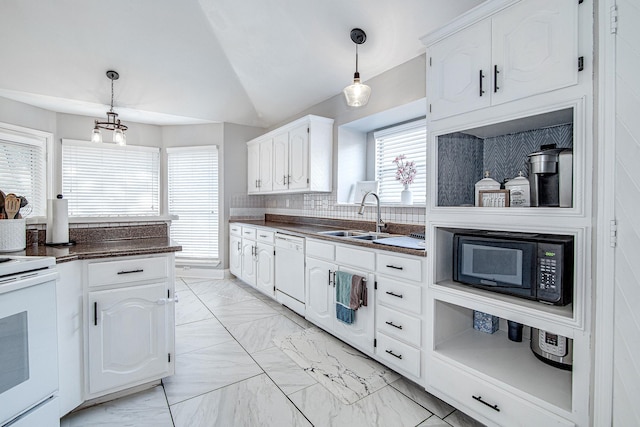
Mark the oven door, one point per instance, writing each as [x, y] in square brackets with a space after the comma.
[29, 349]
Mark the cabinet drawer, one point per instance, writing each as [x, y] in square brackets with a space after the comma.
[249, 233]
[235, 230]
[398, 354]
[405, 268]
[480, 396]
[320, 250]
[399, 295]
[355, 257]
[398, 325]
[265, 236]
[127, 270]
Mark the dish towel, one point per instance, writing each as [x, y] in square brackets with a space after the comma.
[343, 297]
[358, 292]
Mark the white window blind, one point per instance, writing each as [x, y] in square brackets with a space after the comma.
[108, 180]
[23, 168]
[193, 196]
[409, 139]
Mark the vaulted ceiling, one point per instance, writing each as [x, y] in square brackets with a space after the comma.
[253, 62]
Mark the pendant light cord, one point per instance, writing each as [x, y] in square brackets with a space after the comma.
[112, 92]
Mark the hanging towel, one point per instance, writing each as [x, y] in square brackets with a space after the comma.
[343, 297]
[358, 296]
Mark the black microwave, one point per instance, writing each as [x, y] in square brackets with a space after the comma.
[527, 265]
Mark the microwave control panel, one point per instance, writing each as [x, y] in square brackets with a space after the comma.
[549, 272]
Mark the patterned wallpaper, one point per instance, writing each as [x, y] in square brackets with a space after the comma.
[463, 159]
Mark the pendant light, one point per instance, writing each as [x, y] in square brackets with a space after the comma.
[357, 94]
[113, 122]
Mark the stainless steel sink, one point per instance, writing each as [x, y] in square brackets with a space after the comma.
[343, 233]
[367, 237]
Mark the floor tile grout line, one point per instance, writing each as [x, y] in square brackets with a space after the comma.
[164, 391]
[215, 389]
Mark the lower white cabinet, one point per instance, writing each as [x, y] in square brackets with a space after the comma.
[235, 255]
[265, 268]
[254, 262]
[130, 326]
[128, 336]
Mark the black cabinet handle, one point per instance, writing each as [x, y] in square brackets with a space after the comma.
[131, 271]
[495, 78]
[481, 77]
[394, 295]
[479, 399]
[394, 325]
[95, 313]
[395, 267]
[399, 356]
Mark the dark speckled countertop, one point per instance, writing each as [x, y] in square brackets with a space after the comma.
[103, 249]
[310, 227]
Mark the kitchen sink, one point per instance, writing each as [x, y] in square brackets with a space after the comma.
[367, 237]
[343, 233]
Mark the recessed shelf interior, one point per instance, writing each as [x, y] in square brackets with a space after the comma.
[494, 355]
[500, 148]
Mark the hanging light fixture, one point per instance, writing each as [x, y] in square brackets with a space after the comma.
[113, 122]
[357, 94]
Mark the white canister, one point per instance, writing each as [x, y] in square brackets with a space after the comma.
[486, 183]
[519, 191]
[13, 235]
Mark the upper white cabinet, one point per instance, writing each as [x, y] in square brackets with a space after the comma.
[280, 161]
[260, 165]
[528, 48]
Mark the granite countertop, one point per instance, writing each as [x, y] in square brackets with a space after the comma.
[311, 230]
[104, 249]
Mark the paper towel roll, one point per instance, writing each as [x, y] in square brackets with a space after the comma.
[57, 220]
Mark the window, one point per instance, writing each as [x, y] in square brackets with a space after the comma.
[193, 196]
[108, 180]
[23, 166]
[409, 139]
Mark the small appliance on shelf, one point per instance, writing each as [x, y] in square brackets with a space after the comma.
[551, 177]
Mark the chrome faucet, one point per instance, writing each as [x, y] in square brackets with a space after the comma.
[379, 223]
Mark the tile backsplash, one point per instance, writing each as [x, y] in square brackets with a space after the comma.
[321, 205]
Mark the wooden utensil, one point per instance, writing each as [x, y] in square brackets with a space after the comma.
[11, 205]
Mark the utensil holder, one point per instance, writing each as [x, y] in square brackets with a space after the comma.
[13, 235]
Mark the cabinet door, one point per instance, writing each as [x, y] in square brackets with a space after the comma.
[359, 333]
[265, 263]
[128, 336]
[248, 262]
[299, 158]
[265, 179]
[458, 66]
[70, 349]
[253, 168]
[281, 161]
[319, 293]
[535, 47]
[235, 255]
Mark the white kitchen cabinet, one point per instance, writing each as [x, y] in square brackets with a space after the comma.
[260, 166]
[256, 258]
[301, 158]
[69, 296]
[130, 323]
[265, 268]
[526, 49]
[235, 255]
[321, 293]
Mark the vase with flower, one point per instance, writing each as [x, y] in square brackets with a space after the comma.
[405, 173]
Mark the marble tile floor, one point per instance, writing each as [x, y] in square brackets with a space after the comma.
[229, 372]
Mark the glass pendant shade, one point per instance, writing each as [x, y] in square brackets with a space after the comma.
[96, 135]
[357, 94]
[119, 138]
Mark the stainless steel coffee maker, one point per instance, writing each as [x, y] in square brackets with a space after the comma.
[551, 177]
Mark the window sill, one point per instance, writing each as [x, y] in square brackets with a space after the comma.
[106, 219]
[384, 205]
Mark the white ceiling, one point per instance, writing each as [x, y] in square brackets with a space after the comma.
[253, 62]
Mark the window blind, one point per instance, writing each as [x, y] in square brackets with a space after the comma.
[109, 180]
[23, 169]
[409, 139]
[193, 196]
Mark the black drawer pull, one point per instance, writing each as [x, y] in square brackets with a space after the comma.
[399, 356]
[394, 325]
[479, 399]
[263, 235]
[131, 271]
[495, 81]
[394, 295]
[481, 77]
[395, 267]
[95, 313]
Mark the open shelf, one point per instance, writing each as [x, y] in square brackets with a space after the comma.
[495, 356]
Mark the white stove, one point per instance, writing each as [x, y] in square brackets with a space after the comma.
[29, 351]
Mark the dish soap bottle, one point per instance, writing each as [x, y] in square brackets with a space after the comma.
[519, 191]
[486, 183]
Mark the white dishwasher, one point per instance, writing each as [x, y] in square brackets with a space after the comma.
[290, 272]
